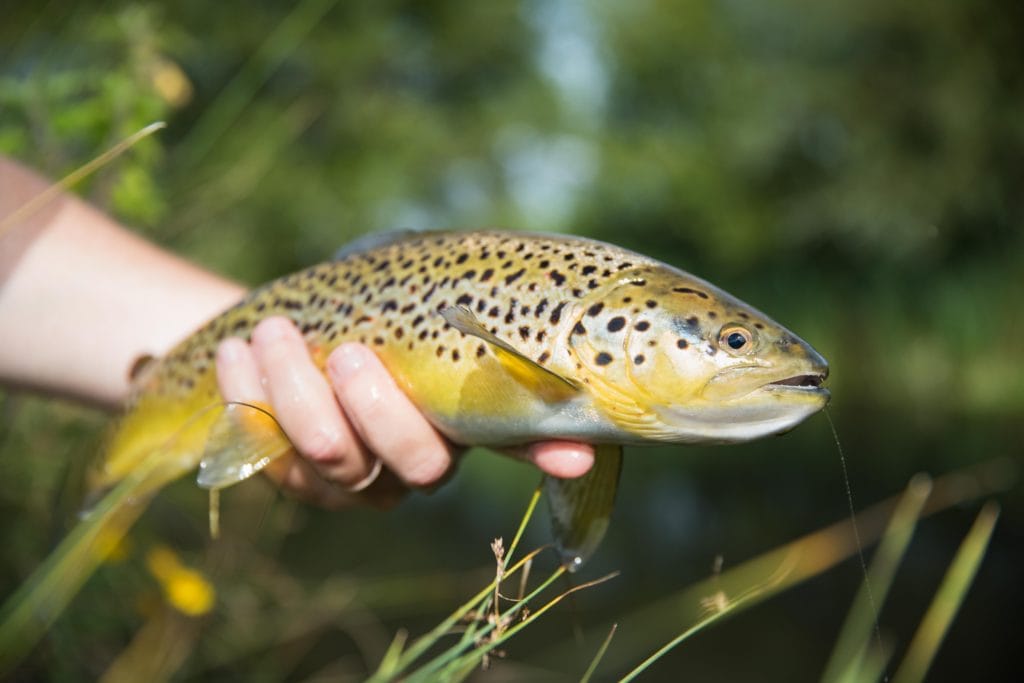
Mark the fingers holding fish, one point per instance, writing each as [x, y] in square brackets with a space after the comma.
[238, 377]
[561, 459]
[305, 406]
[386, 420]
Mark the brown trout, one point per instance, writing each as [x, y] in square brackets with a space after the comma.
[500, 339]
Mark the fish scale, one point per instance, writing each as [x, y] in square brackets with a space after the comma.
[499, 339]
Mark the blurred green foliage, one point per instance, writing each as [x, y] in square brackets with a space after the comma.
[854, 168]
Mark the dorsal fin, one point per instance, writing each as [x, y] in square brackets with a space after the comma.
[548, 384]
[374, 240]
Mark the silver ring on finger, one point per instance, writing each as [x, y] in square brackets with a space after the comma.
[371, 477]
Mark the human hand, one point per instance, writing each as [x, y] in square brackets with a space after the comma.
[358, 438]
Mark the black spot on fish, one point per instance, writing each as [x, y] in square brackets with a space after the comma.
[544, 263]
[587, 270]
[462, 258]
[455, 355]
[557, 277]
[481, 305]
[480, 351]
[399, 333]
[464, 300]
[543, 357]
[389, 305]
[759, 326]
[378, 341]
[494, 312]
[486, 275]
[595, 309]
[643, 325]
[556, 314]
[524, 332]
[638, 359]
[578, 328]
[603, 358]
[540, 335]
[540, 308]
[688, 290]
[616, 323]
[651, 303]
[743, 315]
[712, 315]
[514, 276]
[417, 320]
[407, 308]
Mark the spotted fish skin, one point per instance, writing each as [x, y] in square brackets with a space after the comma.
[595, 314]
[498, 338]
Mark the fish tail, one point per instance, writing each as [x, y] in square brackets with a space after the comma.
[27, 614]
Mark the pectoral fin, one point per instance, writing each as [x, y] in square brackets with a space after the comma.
[244, 439]
[548, 384]
[581, 508]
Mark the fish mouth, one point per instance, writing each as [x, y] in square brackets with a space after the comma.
[812, 381]
[808, 384]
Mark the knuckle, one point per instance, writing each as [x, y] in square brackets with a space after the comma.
[323, 446]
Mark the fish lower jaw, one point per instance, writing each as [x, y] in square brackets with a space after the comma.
[737, 424]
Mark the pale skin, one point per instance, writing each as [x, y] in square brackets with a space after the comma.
[82, 298]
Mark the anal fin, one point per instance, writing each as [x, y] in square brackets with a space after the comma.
[581, 508]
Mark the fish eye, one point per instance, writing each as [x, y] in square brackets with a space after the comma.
[736, 339]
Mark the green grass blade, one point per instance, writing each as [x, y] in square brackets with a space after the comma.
[861, 621]
[948, 599]
[476, 656]
[599, 656]
[451, 657]
[480, 602]
[731, 607]
[239, 93]
[70, 180]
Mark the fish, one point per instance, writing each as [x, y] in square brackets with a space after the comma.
[500, 339]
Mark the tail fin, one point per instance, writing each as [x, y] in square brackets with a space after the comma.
[37, 603]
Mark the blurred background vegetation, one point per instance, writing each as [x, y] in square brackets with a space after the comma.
[853, 168]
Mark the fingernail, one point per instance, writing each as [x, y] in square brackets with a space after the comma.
[273, 330]
[346, 360]
[229, 351]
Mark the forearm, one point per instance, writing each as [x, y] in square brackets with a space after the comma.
[81, 298]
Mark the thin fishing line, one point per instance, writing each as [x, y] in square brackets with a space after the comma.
[856, 533]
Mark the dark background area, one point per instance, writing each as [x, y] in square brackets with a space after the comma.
[855, 169]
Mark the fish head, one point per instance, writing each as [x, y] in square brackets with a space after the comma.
[671, 357]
